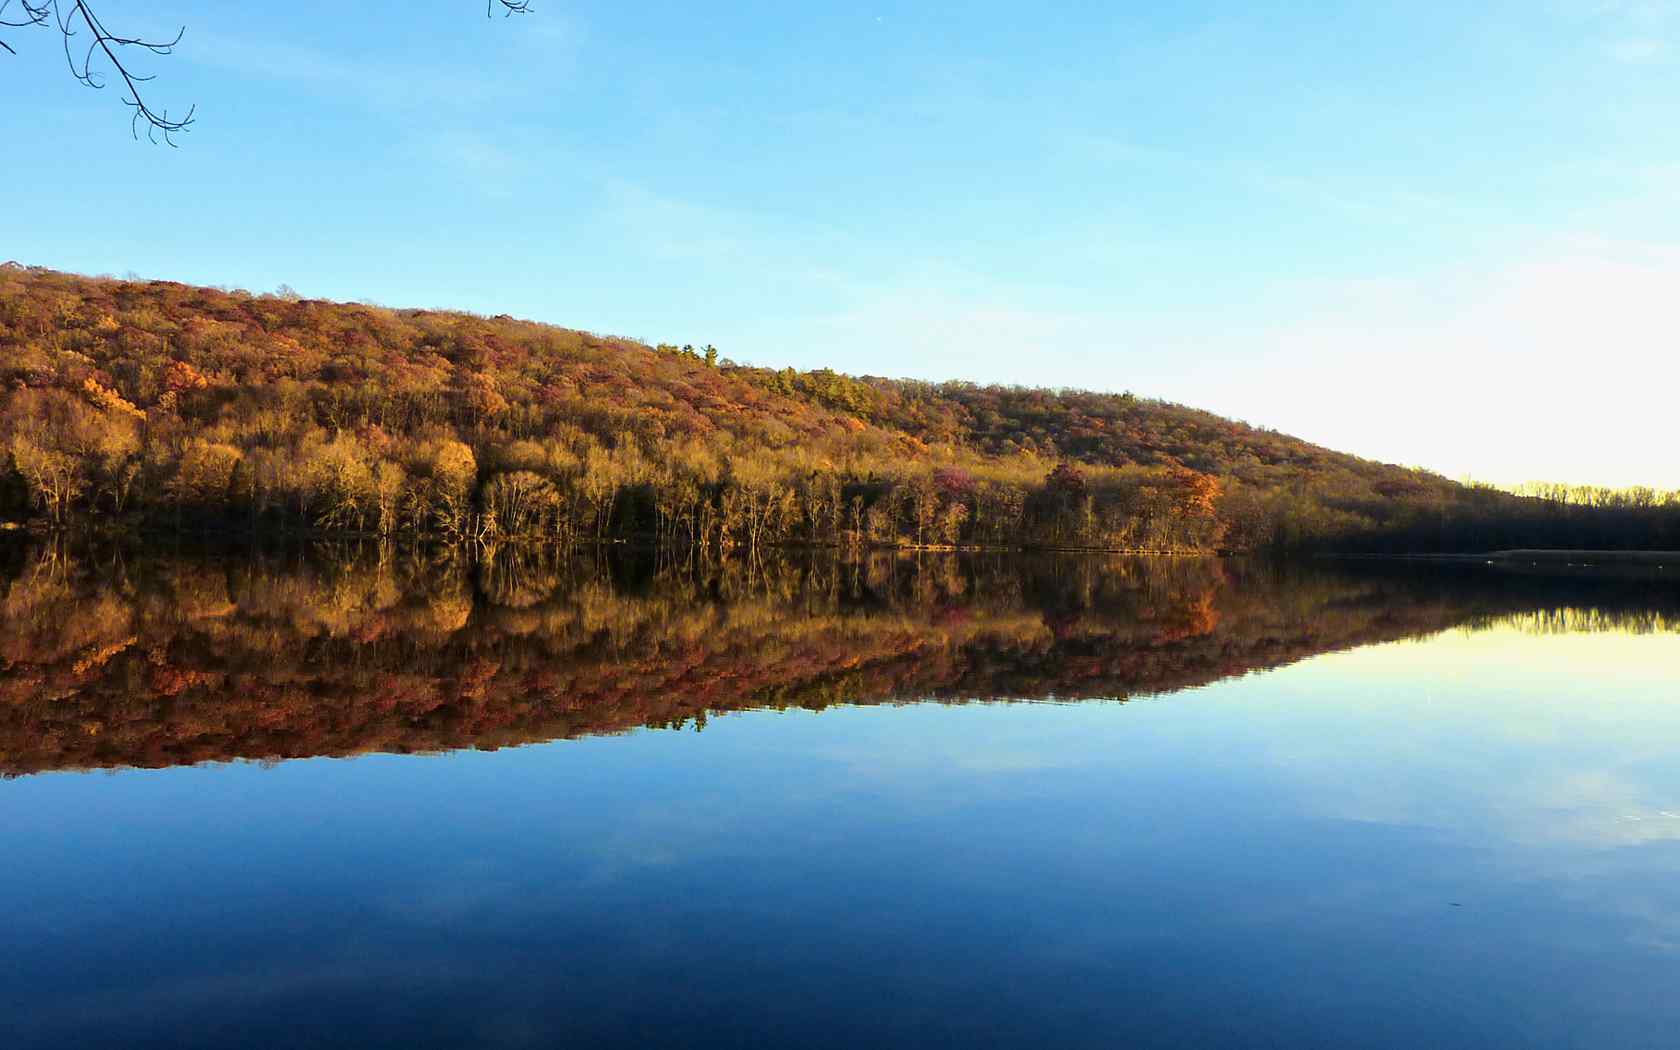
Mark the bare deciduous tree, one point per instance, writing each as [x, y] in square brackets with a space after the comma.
[78, 25]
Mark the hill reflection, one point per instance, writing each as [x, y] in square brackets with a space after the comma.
[110, 660]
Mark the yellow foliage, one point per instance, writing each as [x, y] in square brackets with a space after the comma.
[109, 400]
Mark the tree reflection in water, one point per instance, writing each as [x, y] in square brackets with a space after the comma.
[112, 659]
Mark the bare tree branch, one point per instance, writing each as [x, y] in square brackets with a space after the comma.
[73, 18]
[76, 18]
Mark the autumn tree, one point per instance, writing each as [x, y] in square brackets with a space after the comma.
[446, 473]
[66, 447]
[204, 475]
[525, 504]
[56, 477]
[339, 479]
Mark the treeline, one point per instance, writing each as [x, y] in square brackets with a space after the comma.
[1634, 497]
[155, 404]
[92, 452]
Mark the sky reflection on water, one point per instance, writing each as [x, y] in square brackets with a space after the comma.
[1467, 840]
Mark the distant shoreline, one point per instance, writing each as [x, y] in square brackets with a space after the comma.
[1538, 557]
[1649, 566]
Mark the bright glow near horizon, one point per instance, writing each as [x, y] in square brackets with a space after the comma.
[1430, 235]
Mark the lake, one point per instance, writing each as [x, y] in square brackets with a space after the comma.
[351, 797]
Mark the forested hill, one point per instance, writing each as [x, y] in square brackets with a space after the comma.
[165, 404]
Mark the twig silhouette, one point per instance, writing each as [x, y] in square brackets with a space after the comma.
[76, 18]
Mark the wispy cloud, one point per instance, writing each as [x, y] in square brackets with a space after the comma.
[381, 84]
[435, 104]
[538, 51]
[1637, 50]
[1364, 201]
[938, 332]
[670, 228]
[497, 169]
[1633, 32]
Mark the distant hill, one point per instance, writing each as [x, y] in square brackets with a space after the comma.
[165, 405]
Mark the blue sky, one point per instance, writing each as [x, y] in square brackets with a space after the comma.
[1437, 234]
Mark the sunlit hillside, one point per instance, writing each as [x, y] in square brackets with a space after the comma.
[163, 405]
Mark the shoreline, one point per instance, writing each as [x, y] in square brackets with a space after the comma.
[1571, 558]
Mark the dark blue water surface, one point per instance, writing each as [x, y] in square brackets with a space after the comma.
[1464, 837]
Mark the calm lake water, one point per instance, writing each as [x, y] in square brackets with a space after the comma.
[330, 798]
